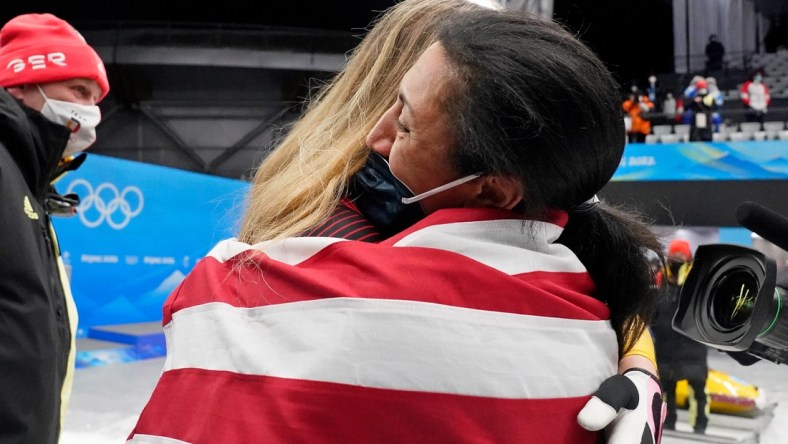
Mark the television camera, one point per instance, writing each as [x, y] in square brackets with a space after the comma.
[731, 299]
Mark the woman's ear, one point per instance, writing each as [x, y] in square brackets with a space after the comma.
[497, 192]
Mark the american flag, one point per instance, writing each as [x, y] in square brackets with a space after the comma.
[472, 326]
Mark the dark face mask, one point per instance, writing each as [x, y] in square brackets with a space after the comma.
[674, 270]
[378, 195]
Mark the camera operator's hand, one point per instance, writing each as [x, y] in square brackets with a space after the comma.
[629, 407]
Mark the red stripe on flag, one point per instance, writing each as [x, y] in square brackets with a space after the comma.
[363, 270]
[203, 406]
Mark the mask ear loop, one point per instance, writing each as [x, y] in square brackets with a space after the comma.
[42, 92]
[452, 184]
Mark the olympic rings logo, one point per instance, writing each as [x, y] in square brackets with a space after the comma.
[106, 203]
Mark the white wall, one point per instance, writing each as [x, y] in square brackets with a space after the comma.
[733, 21]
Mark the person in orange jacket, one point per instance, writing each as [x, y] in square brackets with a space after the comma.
[637, 107]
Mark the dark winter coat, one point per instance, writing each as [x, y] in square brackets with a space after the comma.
[678, 357]
[35, 336]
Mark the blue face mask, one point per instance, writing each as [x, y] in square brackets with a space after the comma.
[378, 195]
[387, 202]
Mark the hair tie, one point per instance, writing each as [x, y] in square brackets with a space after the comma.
[587, 206]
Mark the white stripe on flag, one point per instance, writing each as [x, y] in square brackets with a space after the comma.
[150, 439]
[290, 251]
[399, 345]
[511, 246]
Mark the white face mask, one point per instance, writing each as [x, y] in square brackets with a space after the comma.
[434, 191]
[82, 120]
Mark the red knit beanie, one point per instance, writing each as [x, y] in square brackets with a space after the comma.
[41, 48]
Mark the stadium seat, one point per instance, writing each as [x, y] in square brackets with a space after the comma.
[773, 129]
[651, 139]
[749, 127]
[659, 130]
[759, 135]
[727, 129]
[739, 136]
[681, 129]
[669, 138]
[719, 137]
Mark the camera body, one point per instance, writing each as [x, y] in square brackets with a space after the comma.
[730, 301]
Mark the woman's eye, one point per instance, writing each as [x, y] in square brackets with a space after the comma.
[402, 127]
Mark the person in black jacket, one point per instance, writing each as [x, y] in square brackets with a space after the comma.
[51, 82]
[715, 54]
[703, 106]
[679, 357]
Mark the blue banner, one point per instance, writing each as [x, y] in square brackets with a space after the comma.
[704, 161]
[138, 231]
[140, 228]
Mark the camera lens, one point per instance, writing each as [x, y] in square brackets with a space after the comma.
[732, 299]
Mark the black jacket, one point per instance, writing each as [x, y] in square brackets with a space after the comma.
[35, 337]
[678, 357]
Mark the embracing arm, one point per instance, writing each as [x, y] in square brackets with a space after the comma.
[629, 405]
[641, 355]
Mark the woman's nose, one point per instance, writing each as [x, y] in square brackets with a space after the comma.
[382, 136]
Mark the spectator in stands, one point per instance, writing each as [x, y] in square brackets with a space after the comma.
[715, 54]
[657, 97]
[755, 96]
[653, 92]
[672, 108]
[702, 106]
[577, 112]
[689, 95]
[679, 357]
[638, 109]
[692, 88]
[719, 100]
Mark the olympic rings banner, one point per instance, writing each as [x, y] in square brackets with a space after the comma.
[138, 231]
[766, 160]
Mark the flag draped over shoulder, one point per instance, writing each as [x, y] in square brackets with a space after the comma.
[472, 326]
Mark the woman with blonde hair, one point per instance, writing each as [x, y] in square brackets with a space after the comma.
[303, 179]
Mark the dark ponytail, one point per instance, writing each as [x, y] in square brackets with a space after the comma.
[614, 245]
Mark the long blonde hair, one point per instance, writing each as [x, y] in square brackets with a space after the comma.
[302, 180]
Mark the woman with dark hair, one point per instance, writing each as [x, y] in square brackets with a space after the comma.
[529, 103]
[493, 318]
